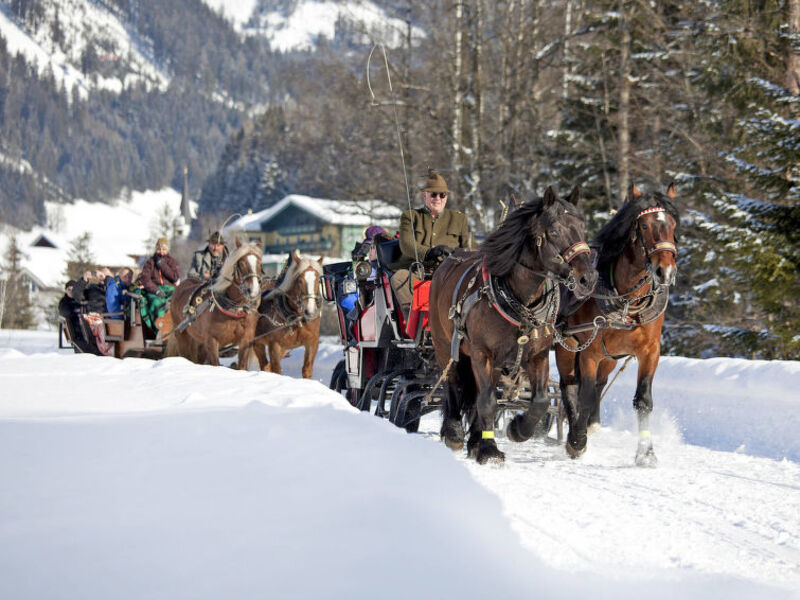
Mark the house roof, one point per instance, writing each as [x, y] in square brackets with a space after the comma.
[335, 212]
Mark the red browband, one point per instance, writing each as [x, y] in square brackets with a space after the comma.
[647, 211]
[576, 249]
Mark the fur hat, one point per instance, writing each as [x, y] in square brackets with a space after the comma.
[435, 183]
[162, 243]
[216, 238]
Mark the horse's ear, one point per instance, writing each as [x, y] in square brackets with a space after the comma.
[634, 192]
[320, 259]
[295, 256]
[671, 191]
[549, 197]
[575, 196]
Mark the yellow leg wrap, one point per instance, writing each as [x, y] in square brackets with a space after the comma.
[487, 435]
[644, 433]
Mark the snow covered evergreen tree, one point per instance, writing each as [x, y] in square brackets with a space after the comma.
[16, 307]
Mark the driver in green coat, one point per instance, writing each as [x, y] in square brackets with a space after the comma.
[428, 234]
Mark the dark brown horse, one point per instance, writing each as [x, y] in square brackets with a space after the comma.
[492, 312]
[636, 262]
[289, 315]
[209, 315]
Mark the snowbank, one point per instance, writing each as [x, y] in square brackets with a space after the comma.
[131, 479]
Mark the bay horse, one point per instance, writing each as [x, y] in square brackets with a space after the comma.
[289, 315]
[492, 315]
[636, 262]
[210, 315]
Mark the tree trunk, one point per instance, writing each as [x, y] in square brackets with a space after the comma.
[455, 156]
[793, 49]
[624, 102]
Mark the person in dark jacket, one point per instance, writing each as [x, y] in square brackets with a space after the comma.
[160, 274]
[95, 292]
[71, 311]
[207, 262]
[428, 235]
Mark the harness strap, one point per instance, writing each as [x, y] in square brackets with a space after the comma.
[459, 309]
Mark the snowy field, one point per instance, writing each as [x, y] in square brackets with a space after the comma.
[139, 479]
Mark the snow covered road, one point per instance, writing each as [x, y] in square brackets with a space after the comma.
[209, 482]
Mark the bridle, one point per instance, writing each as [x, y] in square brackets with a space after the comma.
[242, 276]
[656, 247]
[647, 252]
[291, 305]
[564, 257]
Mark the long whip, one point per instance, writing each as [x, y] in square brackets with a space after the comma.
[397, 129]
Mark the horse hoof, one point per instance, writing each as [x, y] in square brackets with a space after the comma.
[452, 434]
[573, 451]
[489, 453]
[514, 434]
[593, 428]
[647, 459]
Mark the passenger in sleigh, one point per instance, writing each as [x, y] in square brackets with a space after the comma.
[160, 274]
[354, 302]
[428, 234]
[117, 298]
[70, 309]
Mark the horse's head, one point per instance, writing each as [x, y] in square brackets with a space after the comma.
[302, 279]
[242, 271]
[559, 239]
[654, 231]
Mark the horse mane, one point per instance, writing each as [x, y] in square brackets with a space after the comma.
[223, 280]
[614, 236]
[504, 245]
[291, 268]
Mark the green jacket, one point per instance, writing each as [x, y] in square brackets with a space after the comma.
[450, 229]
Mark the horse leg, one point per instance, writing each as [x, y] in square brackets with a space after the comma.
[486, 410]
[460, 390]
[309, 356]
[603, 371]
[210, 350]
[521, 427]
[260, 350]
[567, 363]
[275, 356]
[587, 398]
[643, 403]
[247, 358]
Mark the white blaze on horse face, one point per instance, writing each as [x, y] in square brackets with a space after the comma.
[310, 277]
[255, 288]
[661, 216]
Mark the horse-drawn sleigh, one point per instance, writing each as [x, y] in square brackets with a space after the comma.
[475, 345]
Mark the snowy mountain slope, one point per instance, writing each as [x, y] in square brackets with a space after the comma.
[311, 19]
[70, 29]
[174, 480]
[238, 12]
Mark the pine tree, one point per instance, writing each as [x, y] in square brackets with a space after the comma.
[753, 210]
[79, 257]
[16, 307]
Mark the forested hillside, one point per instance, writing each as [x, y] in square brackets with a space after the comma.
[504, 98]
[508, 97]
